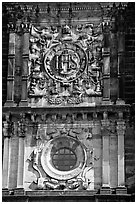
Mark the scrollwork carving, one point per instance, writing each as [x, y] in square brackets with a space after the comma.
[65, 66]
[76, 179]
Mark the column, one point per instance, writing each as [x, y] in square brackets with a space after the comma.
[18, 60]
[13, 157]
[121, 158]
[121, 57]
[25, 56]
[113, 59]
[11, 67]
[113, 155]
[97, 144]
[20, 172]
[106, 64]
[5, 171]
[105, 156]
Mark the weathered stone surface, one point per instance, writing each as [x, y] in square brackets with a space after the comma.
[74, 76]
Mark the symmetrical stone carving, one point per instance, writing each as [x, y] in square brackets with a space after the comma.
[81, 176]
[65, 64]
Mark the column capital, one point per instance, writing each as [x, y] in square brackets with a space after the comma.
[105, 123]
[21, 129]
[120, 127]
[25, 27]
[7, 128]
[11, 27]
[22, 126]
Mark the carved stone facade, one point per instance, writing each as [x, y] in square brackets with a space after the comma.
[65, 65]
[63, 122]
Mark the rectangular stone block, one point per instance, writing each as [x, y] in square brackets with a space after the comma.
[105, 191]
[5, 192]
[121, 191]
[19, 191]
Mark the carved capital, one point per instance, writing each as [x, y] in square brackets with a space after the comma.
[105, 123]
[22, 126]
[8, 129]
[25, 27]
[121, 127]
[5, 129]
[105, 128]
[21, 129]
[11, 27]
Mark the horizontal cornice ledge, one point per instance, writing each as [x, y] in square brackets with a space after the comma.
[57, 109]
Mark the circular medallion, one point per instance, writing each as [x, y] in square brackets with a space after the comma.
[63, 158]
[65, 62]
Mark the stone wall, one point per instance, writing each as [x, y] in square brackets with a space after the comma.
[98, 127]
[129, 75]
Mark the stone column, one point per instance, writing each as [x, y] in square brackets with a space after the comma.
[121, 158]
[106, 64]
[121, 56]
[97, 144]
[18, 60]
[13, 157]
[105, 156]
[11, 67]
[113, 60]
[21, 134]
[113, 155]
[25, 56]
[5, 171]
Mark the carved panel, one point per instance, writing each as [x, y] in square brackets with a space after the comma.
[59, 161]
[65, 64]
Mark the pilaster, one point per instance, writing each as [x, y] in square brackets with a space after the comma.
[25, 57]
[6, 134]
[106, 64]
[21, 134]
[121, 55]
[121, 158]
[11, 66]
[105, 155]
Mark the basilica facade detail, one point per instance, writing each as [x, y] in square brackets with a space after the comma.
[65, 65]
[64, 123]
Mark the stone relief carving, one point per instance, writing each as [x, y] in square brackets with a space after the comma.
[50, 178]
[65, 64]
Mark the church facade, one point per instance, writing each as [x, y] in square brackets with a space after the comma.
[68, 125]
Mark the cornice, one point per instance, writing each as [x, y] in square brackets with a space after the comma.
[62, 6]
[55, 109]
